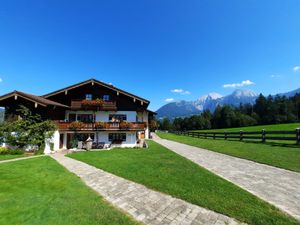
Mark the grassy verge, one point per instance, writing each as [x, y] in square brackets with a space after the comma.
[163, 170]
[273, 127]
[267, 153]
[5, 157]
[40, 191]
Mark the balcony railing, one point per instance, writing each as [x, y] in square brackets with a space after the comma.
[105, 105]
[69, 126]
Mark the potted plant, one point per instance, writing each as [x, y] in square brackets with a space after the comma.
[100, 125]
[76, 125]
[125, 125]
[93, 103]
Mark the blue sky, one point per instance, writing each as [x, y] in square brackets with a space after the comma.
[152, 47]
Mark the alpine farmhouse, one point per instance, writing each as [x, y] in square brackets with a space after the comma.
[108, 116]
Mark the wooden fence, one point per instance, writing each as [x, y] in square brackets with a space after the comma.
[263, 135]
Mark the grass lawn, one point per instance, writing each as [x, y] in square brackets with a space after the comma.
[287, 157]
[161, 169]
[274, 127]
[5, 157]
[40, 191]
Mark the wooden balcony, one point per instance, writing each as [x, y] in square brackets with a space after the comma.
[105, 106]
[109, 126]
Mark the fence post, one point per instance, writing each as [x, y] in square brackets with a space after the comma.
[225, 133]
[198, 135]
[263, 135]
[298, 136]
[205, 135]
[241, 135]
[214, 136]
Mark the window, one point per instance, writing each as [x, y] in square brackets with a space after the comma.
[86, 118]
[105, 97]
[72, 117]
[117, 137]
[117, 117]
[88, 97]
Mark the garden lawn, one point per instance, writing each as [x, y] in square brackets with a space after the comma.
[40, 191]
[5, 157]
[286, 157]
[161, 169]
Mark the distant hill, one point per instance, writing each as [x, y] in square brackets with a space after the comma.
[210, 102]
[291, 93]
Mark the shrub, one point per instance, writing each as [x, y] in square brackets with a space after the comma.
[3, 150]
[16, 152]
[8, 151]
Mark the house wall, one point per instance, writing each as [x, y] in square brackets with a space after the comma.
[104, 115]
[130, 138]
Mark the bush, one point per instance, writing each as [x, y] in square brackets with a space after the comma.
[8, 151]
[16, 152]
[3, 151]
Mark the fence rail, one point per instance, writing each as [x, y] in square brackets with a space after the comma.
[263, 135]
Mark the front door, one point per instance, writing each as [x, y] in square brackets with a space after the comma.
[61, 141]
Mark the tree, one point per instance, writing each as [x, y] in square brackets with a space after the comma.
[153, 125]
[178, 124]
[30, 129]
[166, 124]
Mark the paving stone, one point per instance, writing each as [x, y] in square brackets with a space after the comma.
[145, 205]
[277, 186]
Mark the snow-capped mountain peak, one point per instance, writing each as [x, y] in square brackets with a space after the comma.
[244, 93]
[212, 95]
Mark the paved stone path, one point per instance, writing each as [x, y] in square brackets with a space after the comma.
[21, 158]
[145, 205]
[277, 186]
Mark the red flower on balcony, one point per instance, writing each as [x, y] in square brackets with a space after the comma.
[97, 102]
[77, 125]
[125, 125]
[100, 125]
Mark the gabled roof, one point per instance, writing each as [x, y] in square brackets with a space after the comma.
[36, 99]
[99, 83]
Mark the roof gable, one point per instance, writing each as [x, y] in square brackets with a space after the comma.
[94, 81]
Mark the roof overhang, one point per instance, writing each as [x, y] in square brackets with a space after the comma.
[94, 81]
[32, 98]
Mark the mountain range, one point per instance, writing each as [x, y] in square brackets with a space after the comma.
[210, 102]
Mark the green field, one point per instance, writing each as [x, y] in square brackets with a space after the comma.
[287, 157]
[40, 191]
[274, 127]
[161, 169]
[5, 157]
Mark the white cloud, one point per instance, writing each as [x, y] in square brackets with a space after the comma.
[296, 68]
[1, 80]
[169, 99]
[242, 84]
[181, 91]
[275, 76]
[177, 90]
